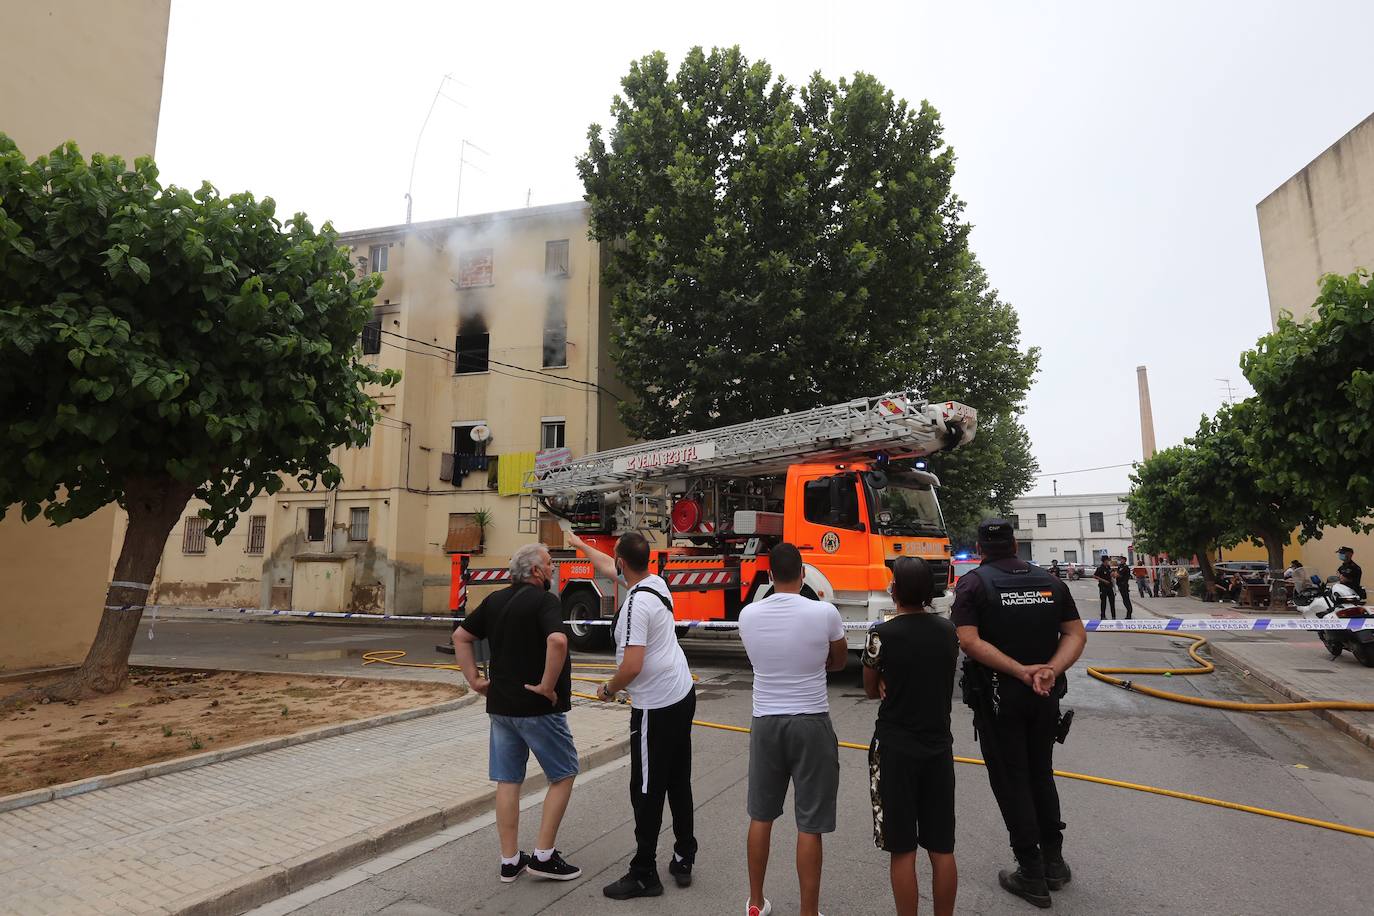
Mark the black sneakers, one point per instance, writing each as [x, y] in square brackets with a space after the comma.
[630, 887]
[1031, 890]
[555, 869]
[681, 871]
[510, 872]
[1057, 872]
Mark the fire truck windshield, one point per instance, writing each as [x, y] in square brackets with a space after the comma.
[906, 506]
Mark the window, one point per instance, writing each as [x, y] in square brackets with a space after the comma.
[556, 258]
[1071, 556]
[372, 337]
[474, 268]
[465, 535]
[462, 439]
[552, 434]
[193, 538]
[377, 257]
[472, 350]
[357, 523]
[257, 533]
[1015, 521]
[1041, 521]
[1095, 522]
[555, 343]
[314, 524]
[832, 501]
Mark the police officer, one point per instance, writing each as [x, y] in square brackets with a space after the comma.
[1350, 571]
[1021, 631]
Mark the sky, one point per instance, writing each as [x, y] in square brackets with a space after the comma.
[1110, 154]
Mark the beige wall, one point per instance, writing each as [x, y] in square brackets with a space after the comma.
[1321, 221]
[83, 70]
[402, 567]
[89, 71]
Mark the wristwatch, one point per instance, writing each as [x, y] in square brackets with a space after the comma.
[604, 691]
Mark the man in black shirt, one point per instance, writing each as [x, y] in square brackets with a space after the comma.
[1020, 629]
[1106, 593]
[1349, 570]
[909, 662]
[528, 696]
[1123, 583]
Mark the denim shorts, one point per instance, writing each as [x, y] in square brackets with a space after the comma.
[513, 737]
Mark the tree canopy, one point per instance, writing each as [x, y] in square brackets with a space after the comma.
[158, 344]
[774, 248]
[1168, 509]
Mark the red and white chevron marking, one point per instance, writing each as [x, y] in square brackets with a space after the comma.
[488, 575]
[689, 579]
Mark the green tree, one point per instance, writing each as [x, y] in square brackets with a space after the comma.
[1171, 512]
[786, 247]
[158, 344]
[984, 477]
[1314, 387]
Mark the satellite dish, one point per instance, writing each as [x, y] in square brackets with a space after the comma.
[481, 433]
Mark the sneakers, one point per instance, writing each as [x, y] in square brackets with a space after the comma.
[765, 910]
[555, 869]
[629, 887]
[1031, 890]
[681, 871]
[510, 872]
[1057, 872]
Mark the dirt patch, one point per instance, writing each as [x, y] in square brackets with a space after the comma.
[162, 715]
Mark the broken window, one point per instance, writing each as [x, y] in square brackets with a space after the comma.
[472, 352]
[257, 533]
[556, 330]
[314, 524]
[357, 523]
[556, 258]
[474, 268]
[193, 537]
[372, 337]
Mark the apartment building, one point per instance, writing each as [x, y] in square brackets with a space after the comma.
[499, 327]
[1072, 529]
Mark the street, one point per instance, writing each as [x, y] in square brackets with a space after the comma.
[1131, 852]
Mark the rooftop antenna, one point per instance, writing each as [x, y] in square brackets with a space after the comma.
[410, 185]
[1230, 391]
[462, 161]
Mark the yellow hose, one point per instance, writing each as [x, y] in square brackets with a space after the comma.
[1206, 667]
[394, 656]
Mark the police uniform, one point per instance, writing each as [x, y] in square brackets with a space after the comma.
[1350, 571]
[1018, 608]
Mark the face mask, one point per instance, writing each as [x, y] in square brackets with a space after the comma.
[619, 570]
[548, 584]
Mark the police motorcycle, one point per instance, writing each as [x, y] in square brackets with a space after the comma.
[1321, 601]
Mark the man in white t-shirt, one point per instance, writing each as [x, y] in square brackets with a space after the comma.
[792, 642]
[652, 666]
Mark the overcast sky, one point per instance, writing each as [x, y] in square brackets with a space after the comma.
[1111, 154]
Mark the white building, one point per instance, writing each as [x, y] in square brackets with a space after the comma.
[1072, 529]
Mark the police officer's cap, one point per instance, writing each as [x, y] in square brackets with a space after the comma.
[996, 531]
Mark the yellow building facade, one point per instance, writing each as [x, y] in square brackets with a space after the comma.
[1318, 222]
[499, 325]
[89, 71]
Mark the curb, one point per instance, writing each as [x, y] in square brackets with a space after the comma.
[166, 612]
[270, 883]
[148, 771]
[1360, 732]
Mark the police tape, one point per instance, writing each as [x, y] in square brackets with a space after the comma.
[1183, 625]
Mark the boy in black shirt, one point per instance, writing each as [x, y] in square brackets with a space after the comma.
[909, 662]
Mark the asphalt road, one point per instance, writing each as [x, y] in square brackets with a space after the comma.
[1131, 852]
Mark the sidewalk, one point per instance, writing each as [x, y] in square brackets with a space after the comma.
[1294, 664]
[225, 837]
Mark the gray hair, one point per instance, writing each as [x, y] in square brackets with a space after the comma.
[525, 560]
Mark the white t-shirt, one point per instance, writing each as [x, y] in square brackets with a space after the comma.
[645, 621]
[788, 639]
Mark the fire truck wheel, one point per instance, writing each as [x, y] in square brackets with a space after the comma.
[584, 604]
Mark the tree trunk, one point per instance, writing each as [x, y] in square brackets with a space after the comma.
[1274, 542]
[1209, 575]
[154, 505]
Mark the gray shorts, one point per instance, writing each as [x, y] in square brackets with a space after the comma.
[802, 750]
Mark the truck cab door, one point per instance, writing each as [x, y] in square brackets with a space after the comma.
[831, 531]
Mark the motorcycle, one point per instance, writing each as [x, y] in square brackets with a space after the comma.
[1342, 601]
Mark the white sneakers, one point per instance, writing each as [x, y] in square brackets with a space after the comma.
[751, 910]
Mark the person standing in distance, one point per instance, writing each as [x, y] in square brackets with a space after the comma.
[1020, 629]
[791, 642]
[1106, 590]
[528, 696]
[1142, 579]
[1123, 584]
[909, 663]
[652, 666]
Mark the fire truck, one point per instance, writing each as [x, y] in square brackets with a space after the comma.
[844, 483]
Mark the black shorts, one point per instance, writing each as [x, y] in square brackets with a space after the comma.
[913, 799]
